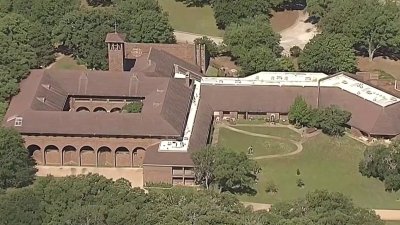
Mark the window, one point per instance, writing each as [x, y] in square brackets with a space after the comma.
[18, 122]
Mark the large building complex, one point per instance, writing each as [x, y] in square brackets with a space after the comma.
[76, 118]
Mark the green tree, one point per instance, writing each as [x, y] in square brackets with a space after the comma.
[322, 207]
[334, 120]
[382, 162]
[299, 112]
[259, 59]
[251, 33]
[17, 169]
[219, 167]
[20, 207]
[133, 107]
[329, 54]
[83, 34]
[227, 12]
[319, 8]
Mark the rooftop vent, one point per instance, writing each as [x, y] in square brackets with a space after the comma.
[47, 86]
[18, 122]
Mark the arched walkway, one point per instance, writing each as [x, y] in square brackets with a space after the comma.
[104, 157]
[70, 156]
[115, 110]
[36, 153]
[52, 155]
[99, 109]
[122, 157]
[82, 109]
[138, 156]
[87, 156]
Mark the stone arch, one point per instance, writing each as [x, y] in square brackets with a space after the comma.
[52, 155]
[70, 156]
[115, 110]
[104, 157]
[87, 156]
[82, 109]
[36, 153]
[138, 156]
[123, 157]
[99, 109]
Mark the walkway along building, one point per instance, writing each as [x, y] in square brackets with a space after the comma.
[74, 120]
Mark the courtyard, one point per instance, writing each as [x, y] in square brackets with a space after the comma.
[324, 163]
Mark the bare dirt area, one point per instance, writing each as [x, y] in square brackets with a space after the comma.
[387, 65]
[133, 175]
[284, 19]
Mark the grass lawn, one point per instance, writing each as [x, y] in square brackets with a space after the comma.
[198, 20]
[275, 131]
[67, 63]
[325, 163]
[262, 146]
[392, 222]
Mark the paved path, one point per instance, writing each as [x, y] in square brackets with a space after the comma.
[384, 214]
[297, 143]
[182, 36]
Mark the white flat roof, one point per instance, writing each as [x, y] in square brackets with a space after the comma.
[360, 89]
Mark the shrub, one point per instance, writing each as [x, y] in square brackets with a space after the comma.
[133, 107]
[158, 184]
[295, 51]
[271, 187]
[300, 183]
[298, 172]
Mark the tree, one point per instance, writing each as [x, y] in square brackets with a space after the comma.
[382, 162]
[295, 51]
[329, 54]
[211, 46]
[299, 112]
[17, 169]
[333, 120]
[83, 34]
[227, 12]
[251, 33]
[271, 187]
[319, 8]
[322, 207]
[20, 207]
[219, 167]
[197, 3]
[259, 59]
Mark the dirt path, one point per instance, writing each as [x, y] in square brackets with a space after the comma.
[297, 143]
[384, 214]
[300, 33]
[183, 37]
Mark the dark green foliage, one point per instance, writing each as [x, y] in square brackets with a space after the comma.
[92, 199]
[227, 12]
[211, 46]
[226, 170]
[158, 184]
[373, 27]
[382, 162]
[322, 207]
[329, 54]
[20, 207]
[298, 172]
[83, 34]
[259, 59]
[196, 2]
[295, 51]
[299, 112]
[16, 167]
[332, 120]
[96, 3]
[133, 107]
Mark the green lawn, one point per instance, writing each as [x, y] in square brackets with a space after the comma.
[198, 20]
[392, 222]
[67, 63]
[262, 146]
[325, 163]
[275, 131]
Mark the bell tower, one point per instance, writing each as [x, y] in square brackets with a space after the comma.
[116, 51]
